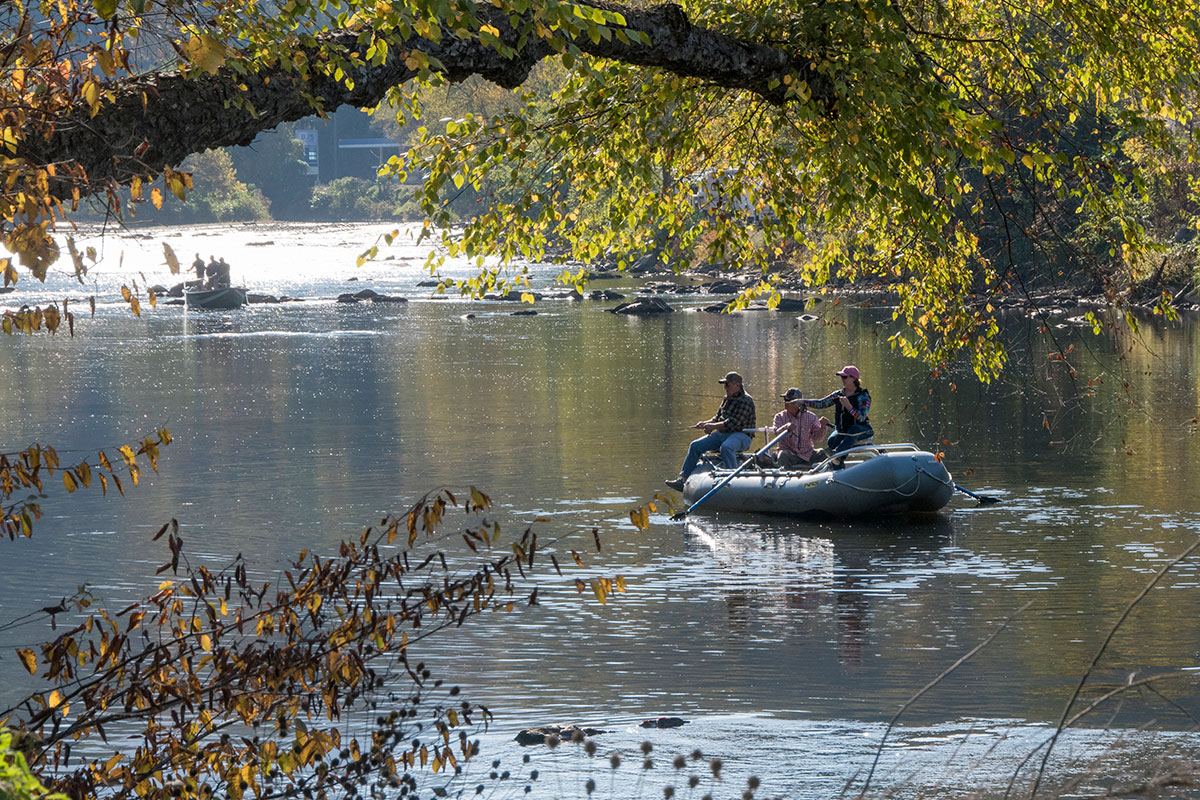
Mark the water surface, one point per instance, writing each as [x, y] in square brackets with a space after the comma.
[788, 644]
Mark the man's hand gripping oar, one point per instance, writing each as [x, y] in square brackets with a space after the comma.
[749, 460]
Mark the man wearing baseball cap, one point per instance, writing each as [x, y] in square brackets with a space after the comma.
[723, 431]
[796, 449]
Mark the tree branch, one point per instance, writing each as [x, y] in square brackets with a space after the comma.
[157, 120]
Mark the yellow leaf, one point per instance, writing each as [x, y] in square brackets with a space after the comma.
[156, 197]
[1027, 161]
[172, 260]
[206, 643]
[206, 53]
[29, 659]
[55, 699]
[69, 481]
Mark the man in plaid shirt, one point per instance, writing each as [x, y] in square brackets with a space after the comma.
[724, 430]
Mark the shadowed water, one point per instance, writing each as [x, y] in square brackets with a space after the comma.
[787, 644]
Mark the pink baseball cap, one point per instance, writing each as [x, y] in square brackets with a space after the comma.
[850, 371]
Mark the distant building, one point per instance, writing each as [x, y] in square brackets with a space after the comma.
[343, 146]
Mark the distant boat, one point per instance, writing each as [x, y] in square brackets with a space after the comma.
[216, 299]
[875, 479]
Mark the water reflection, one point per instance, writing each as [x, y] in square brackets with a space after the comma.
[805, 570]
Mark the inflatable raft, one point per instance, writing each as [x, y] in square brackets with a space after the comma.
[865, 480]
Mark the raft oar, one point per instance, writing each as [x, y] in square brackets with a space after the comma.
[984, 499]
[749, 460]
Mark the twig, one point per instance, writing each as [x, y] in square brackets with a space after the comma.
[927, 687]
[1063, 720]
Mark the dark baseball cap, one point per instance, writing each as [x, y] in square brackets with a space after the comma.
[731, 376]
[792, 394]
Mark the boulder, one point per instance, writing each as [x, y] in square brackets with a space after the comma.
[371, 296]
[664, 722]
[563, 733]
[644, 306]
[528, 312]
[791, 304]
[605, 294]
[512, 296]
[721, 287]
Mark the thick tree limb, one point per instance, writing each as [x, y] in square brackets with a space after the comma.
[158, 120]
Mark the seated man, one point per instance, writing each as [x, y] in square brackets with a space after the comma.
[796, 449]
[724, 430]
[218, 275]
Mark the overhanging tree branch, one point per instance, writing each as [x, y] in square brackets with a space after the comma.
[157, 120]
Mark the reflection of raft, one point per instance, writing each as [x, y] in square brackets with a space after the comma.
[875, 479]
[226, 298]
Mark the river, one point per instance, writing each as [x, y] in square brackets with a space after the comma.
[787, 645]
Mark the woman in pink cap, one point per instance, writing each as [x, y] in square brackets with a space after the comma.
[851, 404]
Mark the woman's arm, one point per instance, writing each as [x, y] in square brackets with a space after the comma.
[824, 402]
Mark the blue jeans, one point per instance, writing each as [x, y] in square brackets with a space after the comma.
[857, 434]
[727, 443]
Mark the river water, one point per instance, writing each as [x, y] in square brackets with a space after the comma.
[787, 645]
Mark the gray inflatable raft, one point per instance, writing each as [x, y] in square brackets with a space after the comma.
[875, 479]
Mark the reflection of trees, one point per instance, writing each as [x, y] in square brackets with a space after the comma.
[812, 573]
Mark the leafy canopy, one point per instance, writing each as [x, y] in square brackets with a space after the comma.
[858, 137]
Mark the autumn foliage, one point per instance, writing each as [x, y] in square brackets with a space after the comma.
[233, 685]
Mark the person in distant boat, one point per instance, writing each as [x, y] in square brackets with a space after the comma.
[796, 449]
[723, 432]
[200, 267]
[852, 404]
[218, 275]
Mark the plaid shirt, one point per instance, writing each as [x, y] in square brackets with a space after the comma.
[806, 426]
[737, 412]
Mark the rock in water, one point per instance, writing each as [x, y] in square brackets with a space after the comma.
[664, 722]
[649, 305]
